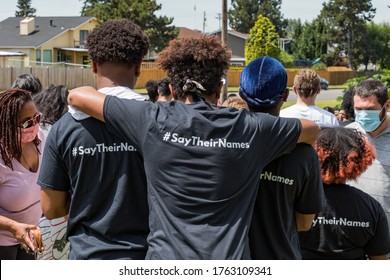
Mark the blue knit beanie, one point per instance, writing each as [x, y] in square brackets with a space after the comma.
[263, 82]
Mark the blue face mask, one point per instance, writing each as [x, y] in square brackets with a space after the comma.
[369, 120]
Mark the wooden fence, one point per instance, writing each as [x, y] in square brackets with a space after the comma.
[75, 77]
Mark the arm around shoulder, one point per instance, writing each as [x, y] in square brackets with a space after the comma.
[309, 133]
[88, 100]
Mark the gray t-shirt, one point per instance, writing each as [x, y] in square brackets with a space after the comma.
[376, 179]
[202, 165]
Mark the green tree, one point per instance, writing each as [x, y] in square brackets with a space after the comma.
[244, 13]
[142, 12]
[346, 20]
[309, 40]
[25, 9]
[375, 47]
[262, 40]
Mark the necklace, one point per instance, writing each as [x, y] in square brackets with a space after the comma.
[29, 167]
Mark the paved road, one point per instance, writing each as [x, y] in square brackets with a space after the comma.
[330, 94]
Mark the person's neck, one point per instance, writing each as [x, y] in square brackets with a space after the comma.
[384, 125]
[103, 82]
[309, 101]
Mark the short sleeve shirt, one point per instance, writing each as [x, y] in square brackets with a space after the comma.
[202, 165]
[352, 226]
[104, 176]
[291, 183]
[19, 194]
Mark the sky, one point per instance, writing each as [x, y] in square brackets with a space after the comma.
[190, 13]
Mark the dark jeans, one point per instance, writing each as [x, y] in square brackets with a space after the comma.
[14, 253]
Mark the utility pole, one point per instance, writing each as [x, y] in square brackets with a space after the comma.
[204, 21]
[219, 17]
[224, 39]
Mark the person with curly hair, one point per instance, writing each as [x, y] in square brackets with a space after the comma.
[307, 87]
[152, 90]
[28, 82]
[353, 224]
[21, 145]
[94, 176]
[204, 62]
[164, 92]
[235, 102]
[202, 161]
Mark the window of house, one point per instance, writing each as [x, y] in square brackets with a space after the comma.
[47, 56]
[38, 56]
[83, 38]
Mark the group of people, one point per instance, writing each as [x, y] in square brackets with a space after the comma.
[158, 90]
[186, 179]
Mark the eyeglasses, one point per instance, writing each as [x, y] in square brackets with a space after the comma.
[33, 121]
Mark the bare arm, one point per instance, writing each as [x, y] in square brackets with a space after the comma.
[19, 230]
[55, 204]
[309, 133]
[88, 100]
[303, 221]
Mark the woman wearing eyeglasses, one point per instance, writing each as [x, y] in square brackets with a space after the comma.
[21, 147]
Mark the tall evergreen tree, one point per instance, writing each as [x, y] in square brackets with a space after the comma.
[262, 40]
[142, 12]
[346, 20]
[25, 9]
[244, 13]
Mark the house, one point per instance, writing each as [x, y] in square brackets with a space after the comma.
[46, 40]
[236, 43]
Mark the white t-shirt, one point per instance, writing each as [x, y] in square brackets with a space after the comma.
[313, 113]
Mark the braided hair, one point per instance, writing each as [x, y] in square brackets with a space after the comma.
[344, 154]
[11, 103]
[306, 82]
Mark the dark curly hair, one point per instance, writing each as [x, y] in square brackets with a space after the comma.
[118, 41]
[163, 87]
[204, 60]
[11, 103]
[52, 103]
[28, 82]
[344, 154]
[347, 104]
[152, 89]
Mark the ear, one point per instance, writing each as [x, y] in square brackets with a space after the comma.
[138, 70]
[94, 67]
[219, 90]
[294, 89]
[318, 90]
[174, 95]
[387, 105]
[285, 95]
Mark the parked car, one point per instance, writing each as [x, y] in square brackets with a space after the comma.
[324, 83]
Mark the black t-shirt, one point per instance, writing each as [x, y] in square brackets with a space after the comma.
[353, 225]
[104, 175]
[288, 184]
[202, 165]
